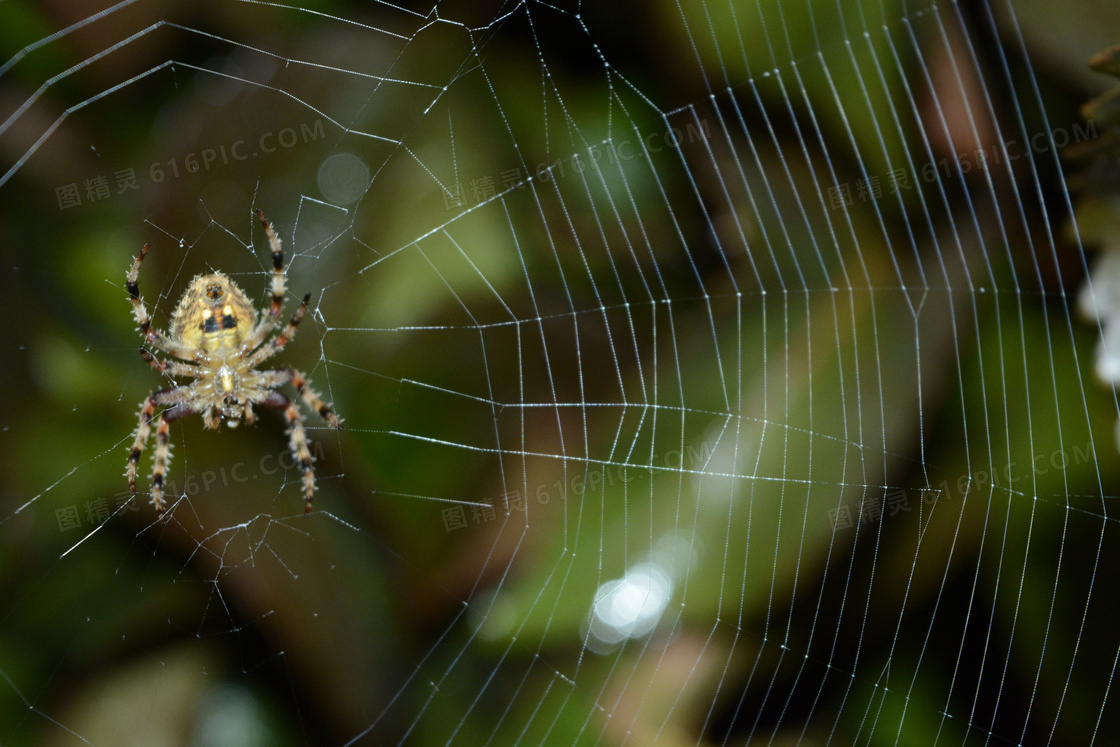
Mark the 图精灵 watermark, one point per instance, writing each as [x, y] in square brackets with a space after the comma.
[103, 186]
[595, 477]
[882, 503]
[871, 187]
[485, 187]
[98, 510]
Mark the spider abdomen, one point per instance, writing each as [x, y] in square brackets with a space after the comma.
[213, 314]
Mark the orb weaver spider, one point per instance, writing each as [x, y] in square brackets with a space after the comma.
[220, 340]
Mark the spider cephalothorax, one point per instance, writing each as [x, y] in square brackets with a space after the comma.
[221, 339]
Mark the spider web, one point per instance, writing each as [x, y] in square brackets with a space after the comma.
[709, 376]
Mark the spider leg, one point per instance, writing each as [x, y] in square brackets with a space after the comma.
[143, 431]
[151, 335]
[278, 282]
[174, 369]
[297, 439]
[309, 395]
[276, 344]
[269, 321]
[163, 451]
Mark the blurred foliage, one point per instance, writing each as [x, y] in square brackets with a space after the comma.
[761, 359]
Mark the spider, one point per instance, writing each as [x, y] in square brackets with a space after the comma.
[221, 340]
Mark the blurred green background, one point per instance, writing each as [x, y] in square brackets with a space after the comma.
[585, 296]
